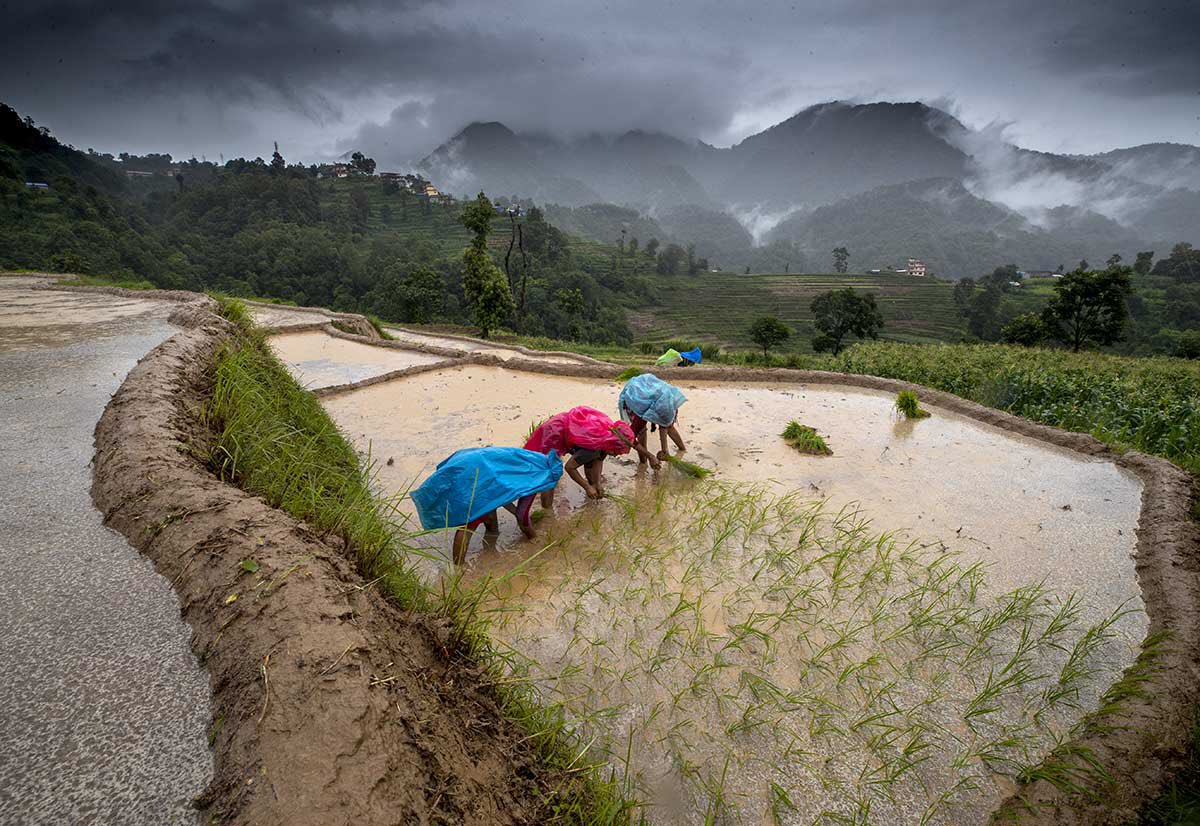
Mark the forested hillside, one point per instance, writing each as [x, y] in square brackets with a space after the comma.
[275, 230]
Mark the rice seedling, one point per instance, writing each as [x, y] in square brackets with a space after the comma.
[689, 468]
[628, 373]
[909, 406]
[805, 439]
[769, 658]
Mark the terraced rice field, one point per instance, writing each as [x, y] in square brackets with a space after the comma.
[890, 634]
[720, 307]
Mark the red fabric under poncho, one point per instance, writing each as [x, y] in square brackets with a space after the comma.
[584, 427]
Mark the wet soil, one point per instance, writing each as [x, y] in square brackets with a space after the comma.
[467, 345]
[320, 360]
[104, 710]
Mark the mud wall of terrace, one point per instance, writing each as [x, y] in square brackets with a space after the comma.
[331, 705]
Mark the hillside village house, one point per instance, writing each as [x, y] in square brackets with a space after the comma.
[916, 267]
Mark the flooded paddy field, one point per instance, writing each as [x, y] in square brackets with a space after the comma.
[465, 346]
[32, 318]
[889, 634]
[320, 360]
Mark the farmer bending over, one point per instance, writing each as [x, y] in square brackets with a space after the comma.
[587, 436]
[466, 489]
[647, 399]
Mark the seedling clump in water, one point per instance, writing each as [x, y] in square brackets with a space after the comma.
[736, 655]
[805, 439]
[908, 405]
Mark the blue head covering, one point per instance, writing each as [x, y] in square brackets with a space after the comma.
[651, 398]
[475, 481]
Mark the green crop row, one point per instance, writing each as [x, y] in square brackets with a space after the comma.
[1150, 404]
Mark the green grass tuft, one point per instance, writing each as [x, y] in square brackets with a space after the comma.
[377, 323]
[909, 406]
[805, 439]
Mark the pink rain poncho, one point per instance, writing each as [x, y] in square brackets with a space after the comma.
[584, 427]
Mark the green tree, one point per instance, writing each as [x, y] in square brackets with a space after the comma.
[486, 290]
[484, 286]
[1089, 307]
[671, 259]
[1027, 329]
[651, 247]
[477, 216]
[768, 332]
[278, 164]
[1143, 263]
[841, 258]
[838, 313]
[362, 163]
[983, 313]
[1113, 260]
[411, 293]
[1183, 264]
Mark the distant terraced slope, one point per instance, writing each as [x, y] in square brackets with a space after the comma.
[719, 307]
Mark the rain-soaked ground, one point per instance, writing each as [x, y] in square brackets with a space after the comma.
[757, 647]
[103, 709]
[320, 360]
[467, 346]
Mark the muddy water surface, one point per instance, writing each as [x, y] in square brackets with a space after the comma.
[49, 318]
[449, 343]
[103, 708]
[1028, 512]
[321, 360]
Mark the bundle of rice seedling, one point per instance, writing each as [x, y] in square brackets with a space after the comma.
[805, 439]
[628, 373]
[538, 515]
[693, 470]
[909, 406]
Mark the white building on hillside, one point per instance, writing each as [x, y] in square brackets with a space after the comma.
[916, 266]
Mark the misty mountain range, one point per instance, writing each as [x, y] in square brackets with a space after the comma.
[887, 180]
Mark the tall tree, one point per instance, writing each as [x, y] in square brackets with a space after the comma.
[838, 313]
[841, 259]
[768, 332]
[484, 286]
[1089, 307]
[278, 164]
[1143, 263]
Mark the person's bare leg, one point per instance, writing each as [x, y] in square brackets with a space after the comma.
[462, 538]
[673, 431]
[548, 498]
[642, 437]
[662, 442]
[595, 475]
[491, 523]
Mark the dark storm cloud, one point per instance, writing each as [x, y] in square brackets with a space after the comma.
[1129, 49]
[398, 78]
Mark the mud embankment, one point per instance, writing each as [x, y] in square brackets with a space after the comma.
[331, 705]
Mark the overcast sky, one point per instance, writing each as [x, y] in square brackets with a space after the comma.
[212, 77]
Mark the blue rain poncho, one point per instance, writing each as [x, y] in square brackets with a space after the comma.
[694, 356]
[475, 481]
[650, 397]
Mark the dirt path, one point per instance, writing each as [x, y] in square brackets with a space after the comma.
[104, 710]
